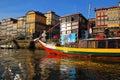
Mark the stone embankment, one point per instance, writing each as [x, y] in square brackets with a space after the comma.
[24, 44]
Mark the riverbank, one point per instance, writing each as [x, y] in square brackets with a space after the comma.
[21, 44]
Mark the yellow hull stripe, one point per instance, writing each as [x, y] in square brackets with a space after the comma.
[101, 50]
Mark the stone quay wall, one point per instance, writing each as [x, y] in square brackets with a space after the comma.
[24, 44]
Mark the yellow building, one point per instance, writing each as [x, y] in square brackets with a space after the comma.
[35, 23]
[52, 19]
[113, 16]
[21, 26]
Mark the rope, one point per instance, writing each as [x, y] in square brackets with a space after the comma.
[53, 27]
[48, 30]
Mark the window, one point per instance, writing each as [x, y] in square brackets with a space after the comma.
[102, 22]
[76, 18]
[72, 19]
[105, 17]
[101, 13]
[68, 19]
[111, 44]
[74, 31]
[101, 44]
[118, 43]
[98, 22]
[63, 19]
[105, 13]
[98, 14]
[106, 22]
[98, 18]
[102, 18]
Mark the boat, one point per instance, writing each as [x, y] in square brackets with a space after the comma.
[107, 49]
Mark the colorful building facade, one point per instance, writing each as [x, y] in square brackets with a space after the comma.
[35, 23]
[7, 28]
[21, 26]
[52, 19]
[73, 24]
[107, 18]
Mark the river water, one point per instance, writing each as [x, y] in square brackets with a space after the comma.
[22, 64]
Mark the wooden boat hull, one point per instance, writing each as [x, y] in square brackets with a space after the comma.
[104, 54]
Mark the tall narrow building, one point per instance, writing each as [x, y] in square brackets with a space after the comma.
[21, 26]
[14, 32]
[3, 29]
[52, 19]
[35, 23]
[0, 30]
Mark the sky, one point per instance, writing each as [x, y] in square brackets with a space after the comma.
[17, 8]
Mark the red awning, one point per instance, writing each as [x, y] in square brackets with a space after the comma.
[100, 37]
[56, 36]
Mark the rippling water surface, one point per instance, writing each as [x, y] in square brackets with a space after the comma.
[38, 65]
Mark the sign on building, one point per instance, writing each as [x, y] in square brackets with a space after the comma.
[68, 38]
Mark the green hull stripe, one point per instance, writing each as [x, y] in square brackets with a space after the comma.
[95, 53]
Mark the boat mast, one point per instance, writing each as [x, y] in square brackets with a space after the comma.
[88, 25]
[89, 9]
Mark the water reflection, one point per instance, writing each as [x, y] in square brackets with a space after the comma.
[10, 67]
[17, 64]
[54, 67]
[39, 65]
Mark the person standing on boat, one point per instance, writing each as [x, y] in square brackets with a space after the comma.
[43, 38]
